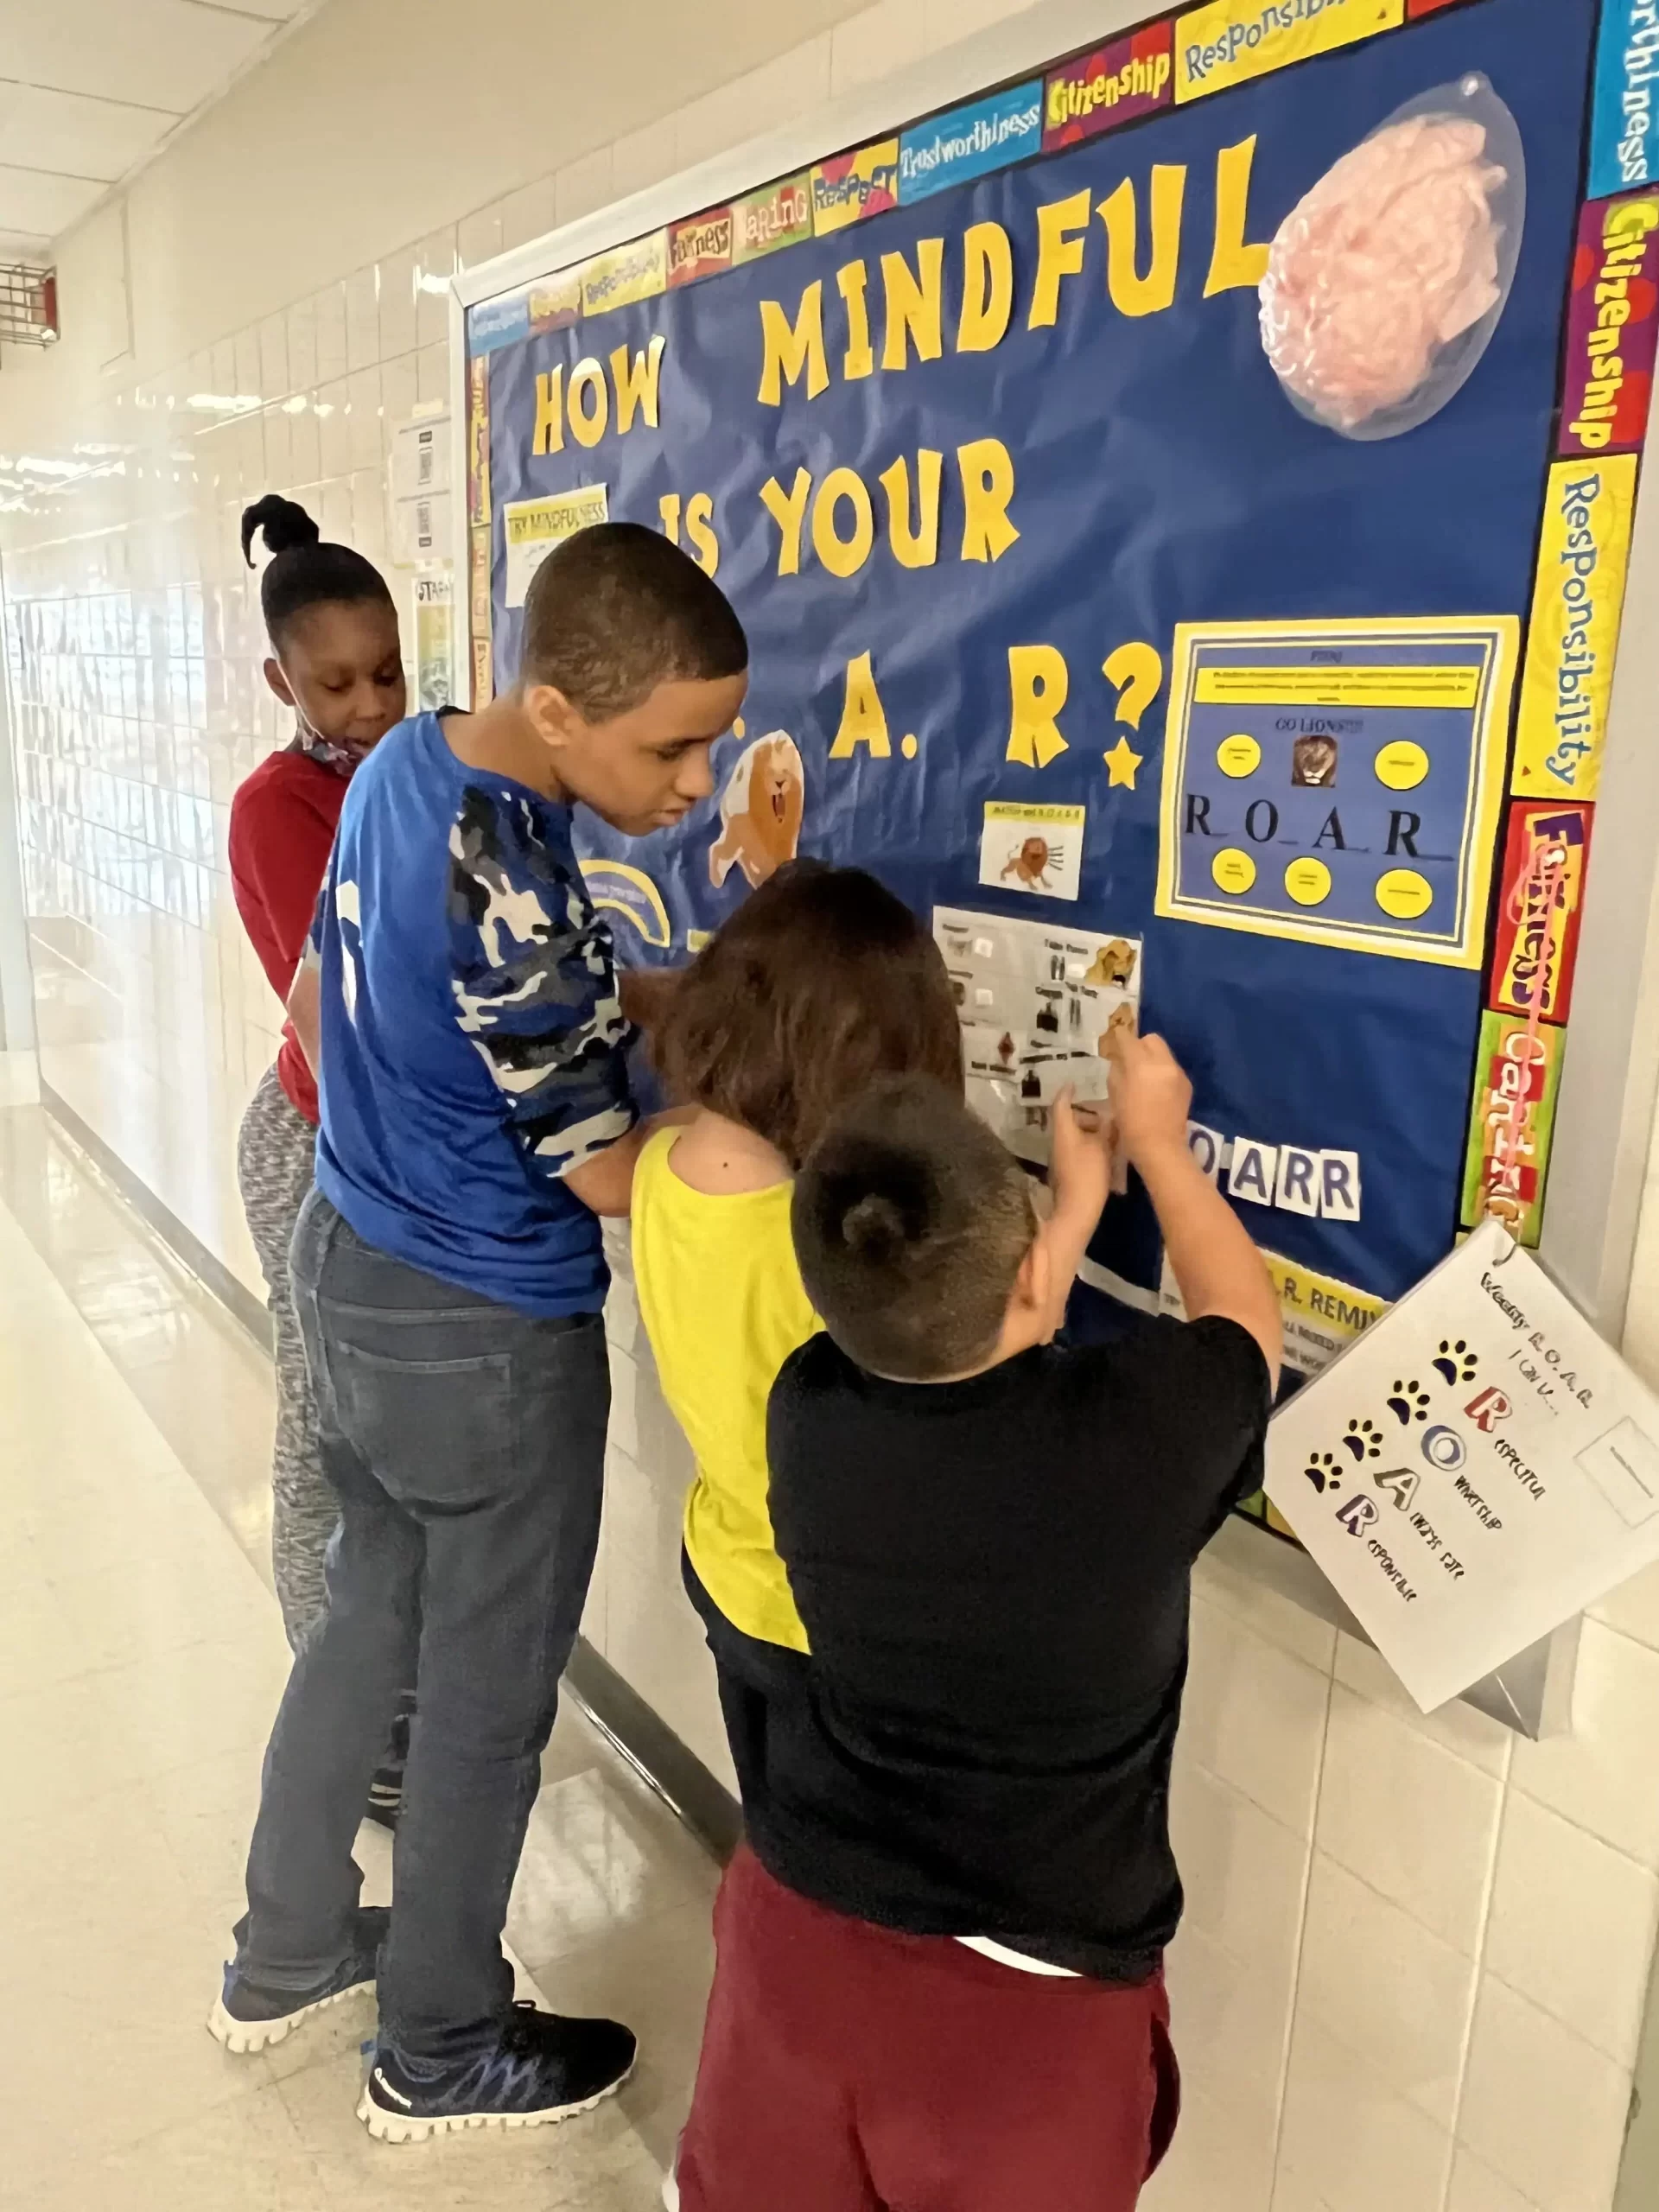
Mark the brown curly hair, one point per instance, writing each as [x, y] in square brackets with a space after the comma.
[820, 982]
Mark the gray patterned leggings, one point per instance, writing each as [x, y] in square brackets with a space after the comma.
[276, 1154]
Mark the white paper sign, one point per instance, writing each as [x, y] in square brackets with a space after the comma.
[1476, 1470]
[1036, 1002]
[419, 528]
[1032, 847]
[534, 527]
[420, 457]
[1321, 1316]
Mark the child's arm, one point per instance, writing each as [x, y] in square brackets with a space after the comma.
[533, 986]
[605, 1184]
[304, 1009]
[1080, 1178]
[1216, 1267]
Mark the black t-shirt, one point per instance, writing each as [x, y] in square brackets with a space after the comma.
[994, 1577]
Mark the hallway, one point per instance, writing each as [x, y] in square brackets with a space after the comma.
[141, 1661]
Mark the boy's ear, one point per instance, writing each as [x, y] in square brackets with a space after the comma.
[278, 681]
[552, 715]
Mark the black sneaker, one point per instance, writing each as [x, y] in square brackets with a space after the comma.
[540, 2069]
[246, 2018]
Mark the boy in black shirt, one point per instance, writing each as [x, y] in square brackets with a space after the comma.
[944, 1989]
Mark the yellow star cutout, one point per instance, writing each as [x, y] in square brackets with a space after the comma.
[1121, 765]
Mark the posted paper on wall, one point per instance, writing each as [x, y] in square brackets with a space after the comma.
[534, 527]
[1479, 1468]
[1321, 1316]
[1038, 1006]
[1025, 846]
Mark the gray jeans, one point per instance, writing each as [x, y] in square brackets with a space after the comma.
[466, 1442]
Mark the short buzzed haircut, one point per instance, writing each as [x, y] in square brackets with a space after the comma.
[616, 611]
[911, 1223]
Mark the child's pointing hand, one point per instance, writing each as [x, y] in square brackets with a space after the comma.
[1151, 1095]
[1080, 1169]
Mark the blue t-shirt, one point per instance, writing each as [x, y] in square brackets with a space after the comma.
[473, 1047]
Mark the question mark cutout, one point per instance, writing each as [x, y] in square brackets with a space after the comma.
[1136, 672]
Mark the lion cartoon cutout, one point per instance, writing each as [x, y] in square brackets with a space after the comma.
[1114, 963]
[1029, 863]
[760, 811]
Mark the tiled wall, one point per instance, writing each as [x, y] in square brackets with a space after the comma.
[1411, 1974]
[139, 702]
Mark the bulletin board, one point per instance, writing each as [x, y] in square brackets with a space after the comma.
[1163, 701]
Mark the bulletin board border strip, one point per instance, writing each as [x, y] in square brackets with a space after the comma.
[1119, 78]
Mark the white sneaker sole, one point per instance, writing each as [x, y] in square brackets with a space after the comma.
[401, 2127]
[246, 2038]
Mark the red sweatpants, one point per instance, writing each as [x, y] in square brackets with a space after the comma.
[846, 2068]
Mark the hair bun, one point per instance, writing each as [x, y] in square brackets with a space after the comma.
[284, 523]
[875, 1227]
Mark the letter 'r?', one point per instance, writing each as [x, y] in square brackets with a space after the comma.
[1487, 1408]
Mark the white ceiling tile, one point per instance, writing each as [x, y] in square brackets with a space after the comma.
[90, 89]
[42, 206]
[72, 136]
[162, 53]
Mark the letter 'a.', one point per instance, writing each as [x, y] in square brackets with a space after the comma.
[1253, 1172]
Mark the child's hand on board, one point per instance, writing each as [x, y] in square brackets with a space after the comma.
[1152, 1097]
[1081, 1154]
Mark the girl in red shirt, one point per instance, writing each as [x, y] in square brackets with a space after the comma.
[336, 660]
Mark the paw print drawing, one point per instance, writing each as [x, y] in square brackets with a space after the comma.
[1363, 1439]
[1321, 1471]
[1408, 1401]
[1455, 1363]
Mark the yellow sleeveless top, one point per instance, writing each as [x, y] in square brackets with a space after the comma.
[724, 1306]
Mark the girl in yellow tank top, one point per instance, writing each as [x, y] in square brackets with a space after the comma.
[819, 983]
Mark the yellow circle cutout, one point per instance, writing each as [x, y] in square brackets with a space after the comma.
[1233, 871]
[1238, 756]
[1308, 881]
[909, 747]
[1404, 895]
[1402, 765]
[737, 727]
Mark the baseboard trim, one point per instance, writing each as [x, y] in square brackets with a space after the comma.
[639, 1732]
[646, 1741]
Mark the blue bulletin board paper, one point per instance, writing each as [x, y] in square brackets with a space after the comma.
[949, 474]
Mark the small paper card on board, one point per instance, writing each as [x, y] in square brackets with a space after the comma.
[1475, 1470]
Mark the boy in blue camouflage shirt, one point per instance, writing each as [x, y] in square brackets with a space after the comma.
[461, 1003]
